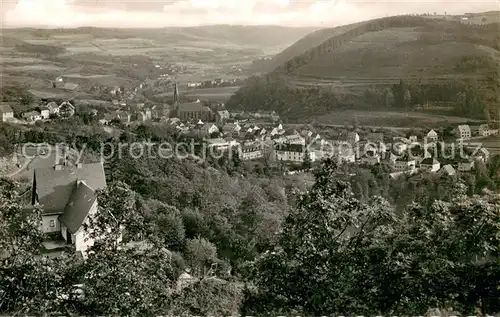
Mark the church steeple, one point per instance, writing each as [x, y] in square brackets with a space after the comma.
[176, 94]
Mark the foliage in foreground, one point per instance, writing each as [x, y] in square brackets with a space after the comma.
[337, 255]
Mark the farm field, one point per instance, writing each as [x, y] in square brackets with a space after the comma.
[94, 56]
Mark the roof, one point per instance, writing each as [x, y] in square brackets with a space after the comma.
[449, 169]
[78, 206]
[290, 148]
[429, 161]
[54, 187]
[31, 113]
[191, 106]
[5, 108]
[432, 132]
[463, 127]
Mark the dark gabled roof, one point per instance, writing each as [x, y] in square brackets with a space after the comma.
[54, 187]
[429, 161]
[78, 206]
[192, 106]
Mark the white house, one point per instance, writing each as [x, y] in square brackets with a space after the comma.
[293, 153]
[430, 164]
[463, 131]
[44, 112]
[67, 196]
[413, 138]
[432, 136]
[250, 152]
[484, 130]
[6, 113]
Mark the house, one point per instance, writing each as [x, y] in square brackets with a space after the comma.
[295, 139]
[32, 116]
[413, 138]
[53, 108]
[432, 136]
[430, 164]
[465, 165]
[230, 128]
[67, 196]
[6, 113]
[404, 164]
[292, 153]
[44, 112]
[448, 170]
[463, 132]
[208, 128]
[482, 155]
[250, 152]
[222, 116]
[484, 130]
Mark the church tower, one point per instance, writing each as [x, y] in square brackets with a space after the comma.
[176, 94]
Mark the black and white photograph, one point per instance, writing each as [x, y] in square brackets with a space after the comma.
[250, 158]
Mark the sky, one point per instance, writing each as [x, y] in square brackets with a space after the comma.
[164, 13]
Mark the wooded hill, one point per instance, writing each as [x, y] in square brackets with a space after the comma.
[377, 54]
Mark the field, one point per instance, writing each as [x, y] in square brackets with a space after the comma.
[389, 119]
[109, 57]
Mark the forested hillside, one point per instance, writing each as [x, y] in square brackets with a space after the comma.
[429, 55]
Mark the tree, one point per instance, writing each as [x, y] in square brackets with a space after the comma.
[336, 255]
[307, 163]
[200, 254]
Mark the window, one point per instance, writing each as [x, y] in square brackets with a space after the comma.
[52, 223]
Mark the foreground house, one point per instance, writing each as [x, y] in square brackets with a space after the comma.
[67, 196]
